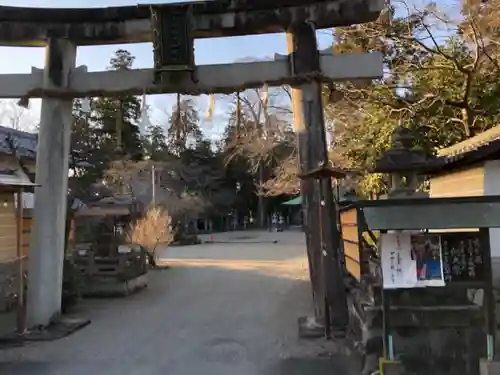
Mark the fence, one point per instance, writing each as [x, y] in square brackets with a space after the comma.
[350, 239]
[27, 225]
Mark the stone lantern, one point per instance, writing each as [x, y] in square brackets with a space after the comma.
[404, 162]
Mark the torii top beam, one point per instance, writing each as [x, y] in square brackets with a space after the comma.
[20, 26]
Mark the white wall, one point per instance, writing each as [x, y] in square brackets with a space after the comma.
[492, 187]
[28, 200]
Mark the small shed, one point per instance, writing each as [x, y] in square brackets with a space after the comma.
[471, 168]
[116, 212]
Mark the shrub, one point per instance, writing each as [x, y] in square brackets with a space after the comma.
[153, 229]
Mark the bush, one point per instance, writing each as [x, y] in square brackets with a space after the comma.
[153, 229]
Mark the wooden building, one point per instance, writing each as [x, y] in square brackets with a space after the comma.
[469, 168]
[17, 167]
[472, 168]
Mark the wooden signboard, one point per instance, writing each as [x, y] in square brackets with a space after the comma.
[463, 259]
[453, 257]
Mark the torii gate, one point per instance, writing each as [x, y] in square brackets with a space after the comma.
[172, 29]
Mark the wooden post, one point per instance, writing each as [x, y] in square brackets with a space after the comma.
[309, 203]
[489, 297]
[21, 326]
[326, 300]
[309, 125]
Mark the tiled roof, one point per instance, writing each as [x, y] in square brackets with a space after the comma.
[15, 180]
[24, 142]
[483, 139]
[482, 147]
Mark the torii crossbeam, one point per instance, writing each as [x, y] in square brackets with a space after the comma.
[219, 78]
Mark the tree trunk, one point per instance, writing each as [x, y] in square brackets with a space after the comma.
[261, 206]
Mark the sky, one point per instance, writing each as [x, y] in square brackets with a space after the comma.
[207, 51]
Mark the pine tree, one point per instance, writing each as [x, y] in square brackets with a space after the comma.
[118, 117]
[155, 143]
[90, 153]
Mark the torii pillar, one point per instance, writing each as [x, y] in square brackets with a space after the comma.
[326, 266]
[47, 244]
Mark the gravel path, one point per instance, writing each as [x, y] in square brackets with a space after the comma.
[220, 309]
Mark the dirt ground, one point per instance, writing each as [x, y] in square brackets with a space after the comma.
[223, 308]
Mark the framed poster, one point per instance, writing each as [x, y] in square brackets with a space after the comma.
[411, 260]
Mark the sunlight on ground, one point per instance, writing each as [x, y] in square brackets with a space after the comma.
[295, 268]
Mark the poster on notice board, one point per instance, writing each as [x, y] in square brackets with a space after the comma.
[411, 260]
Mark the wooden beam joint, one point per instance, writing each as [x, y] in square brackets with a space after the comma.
[304, 59]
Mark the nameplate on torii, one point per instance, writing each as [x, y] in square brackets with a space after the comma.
[173, 43]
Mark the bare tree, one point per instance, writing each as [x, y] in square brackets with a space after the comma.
[284, 179]
[169, 188]
[262, 136]
[15, 116]
[424, 43]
